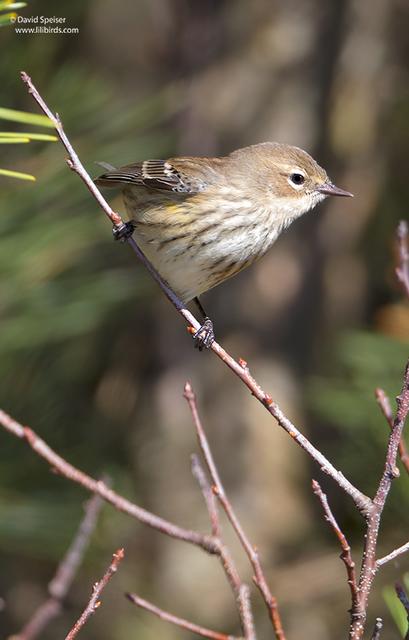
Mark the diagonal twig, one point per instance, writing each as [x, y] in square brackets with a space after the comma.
[100, 488]
[208, 495]
[346, 556]
[179, 622]
[67, 569]
[218, 489]
[65, 574]
[94, 602]
[385, 406]
[40, 619]
[246, 615]
[210, 544]
[239, 368]
[392, 555]
[369, 565]
[240, 590]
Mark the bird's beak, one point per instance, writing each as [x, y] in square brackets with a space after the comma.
[329, 189]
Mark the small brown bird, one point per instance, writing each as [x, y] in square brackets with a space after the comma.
[200, 221]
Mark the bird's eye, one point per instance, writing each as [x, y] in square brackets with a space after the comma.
[297, 178]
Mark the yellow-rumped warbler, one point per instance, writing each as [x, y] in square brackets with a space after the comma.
[199, 221]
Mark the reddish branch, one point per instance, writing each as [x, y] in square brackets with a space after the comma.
[402, 267]
[210, 544]
[179, 622]
[239, 368]
[346, 549]
[65, 574]
[218, 489]
[94, 602]
[100, 488]
[369, 565]
[76, 165]
[360, 592]
[240, 590]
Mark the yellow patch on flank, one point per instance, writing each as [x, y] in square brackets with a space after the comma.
[172, 208]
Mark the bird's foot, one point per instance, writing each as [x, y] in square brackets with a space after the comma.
[123, 231]
[204, 336]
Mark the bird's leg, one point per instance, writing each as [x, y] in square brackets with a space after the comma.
[204, 336]
[123, 231]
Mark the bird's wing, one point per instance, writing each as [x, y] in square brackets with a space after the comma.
[155, 174]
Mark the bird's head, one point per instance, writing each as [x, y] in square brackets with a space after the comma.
[296, 175]
[295, 182]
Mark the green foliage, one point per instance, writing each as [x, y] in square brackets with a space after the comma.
[8, 137]
[395, 607]
[363, 361]
[26, 117]
[8, 11]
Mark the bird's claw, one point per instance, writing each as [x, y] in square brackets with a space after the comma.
[204, 336]
[123, 231]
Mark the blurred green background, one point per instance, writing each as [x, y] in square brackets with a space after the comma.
[94, 358]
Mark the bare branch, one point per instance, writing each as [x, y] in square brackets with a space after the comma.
[179, 622]
[403, 597]
[75, 165]
[67, 569]
[402, 267]
[221, 549]
[361, 501]
[218, 489]
[346, 549]
[385, 406]
[245, 613]
[240, 590]
[208, 495]
[94, 602]
[74, 162]
[390, 472]
[392, 555]
[64, 576]
[210, 544]
[100, 488]
[40, 619]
